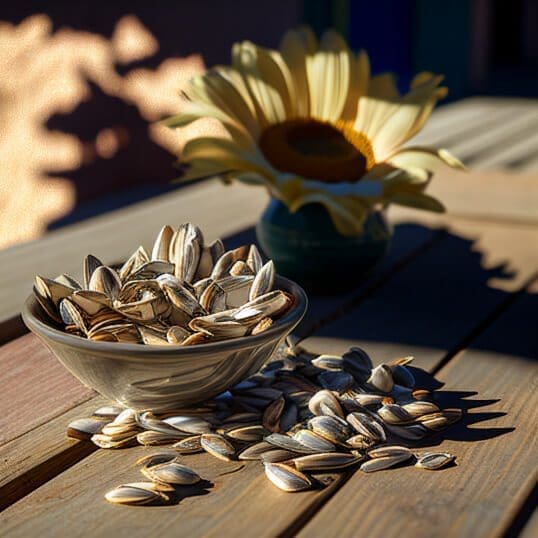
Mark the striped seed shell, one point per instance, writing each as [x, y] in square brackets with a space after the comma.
[156, 459]
[249, 433]
[171, 473]
[314, 441]
[419, 408]
[379, 464]
[337, 381]
[360, 442]
[104, 441]
[176, 334]
[389, 451]
[192, 425]
[403, 376]
[332, 428]
[394, 414]
[161, 246]
[189, 445]
[185, 247]
[325, 461]
[84, 428]
[277, 455]
[381, 378]
[136, 493]
[358, 363]
[263, 282]
[153, 438]
[217, 446]
[328, 362]
[272, 414]
[108, 411]
[256, 451]
[286, 478]
[434, 460]
[288, 443]
[91, 263]
[367, 426]
[254, 259]
[330, 402]
[105, 280]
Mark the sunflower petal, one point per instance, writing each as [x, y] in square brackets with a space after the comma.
[294, 48]
[384, 87]
[329, 74]
[227, 154]
[266, 96]
[417, 201]
[346, 221]
[360, 76]
[423, 157]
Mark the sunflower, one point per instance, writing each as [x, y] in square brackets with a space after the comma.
[310, 124]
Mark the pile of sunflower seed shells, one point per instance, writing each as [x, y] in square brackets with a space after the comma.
[184, 293]
[302, 414]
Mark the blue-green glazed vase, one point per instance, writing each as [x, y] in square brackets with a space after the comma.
[307, 248]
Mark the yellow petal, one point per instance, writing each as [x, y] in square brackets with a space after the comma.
[346, 221]
[227, 154]
[224, 94]
[383, 87]
[195, 110]
[426, 158]
[264, 92]
[360, 76]
[329, 73]
[294, 47]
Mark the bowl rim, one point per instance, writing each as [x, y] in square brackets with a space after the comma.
[291, 318]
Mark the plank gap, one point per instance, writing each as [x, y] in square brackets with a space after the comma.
[36, 476]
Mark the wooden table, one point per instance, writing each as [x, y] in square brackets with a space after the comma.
[458, 291]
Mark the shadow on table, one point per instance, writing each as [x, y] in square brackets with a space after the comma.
[438, 298]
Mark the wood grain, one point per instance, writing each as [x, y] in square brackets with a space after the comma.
[243, 502]
[30, 460]
[495, 447]
[34, 387]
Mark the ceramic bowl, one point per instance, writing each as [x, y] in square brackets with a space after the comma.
[158, 378]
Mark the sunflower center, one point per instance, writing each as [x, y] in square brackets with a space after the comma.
[318, 150]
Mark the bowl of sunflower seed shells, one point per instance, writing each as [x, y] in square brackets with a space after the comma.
[170, 327]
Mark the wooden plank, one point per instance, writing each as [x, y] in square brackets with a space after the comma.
[52, 444]
[271, 512]
[219, 210]
[496, 195]
[503, 249]
[495, 446]
[34, 387]
[463, 120]
[429, 304]
[514, 152]
[31, 460]
[495, 136]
